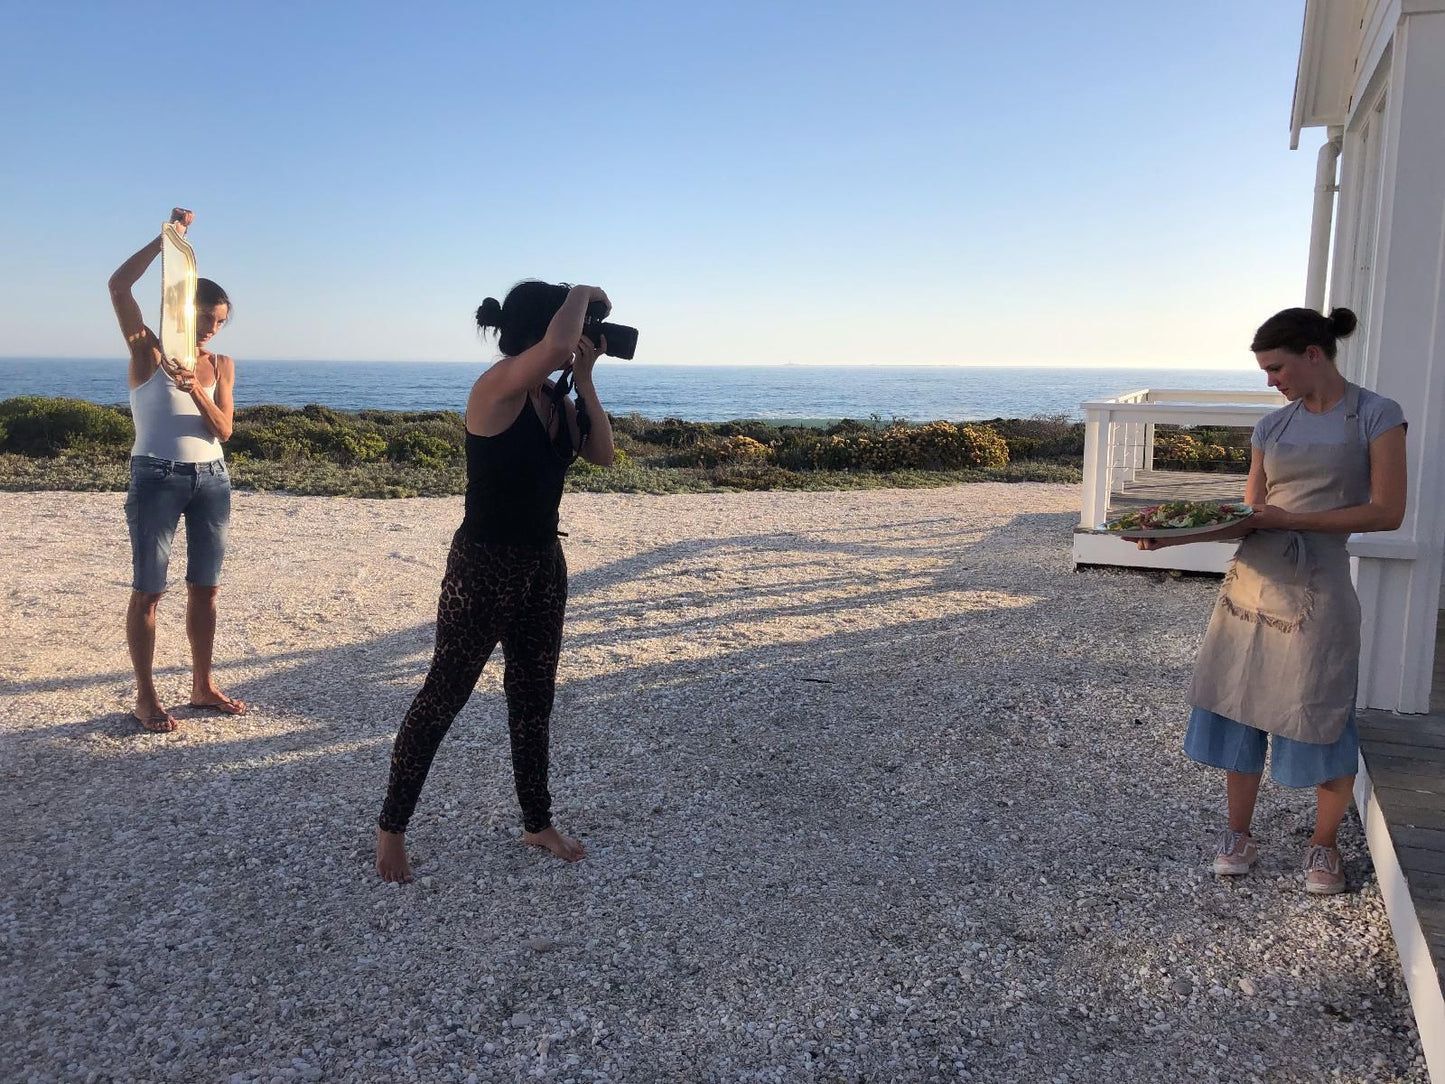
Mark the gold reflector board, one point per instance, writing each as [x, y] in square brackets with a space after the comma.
[178, 298]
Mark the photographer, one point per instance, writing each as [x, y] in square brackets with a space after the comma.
[506, 578]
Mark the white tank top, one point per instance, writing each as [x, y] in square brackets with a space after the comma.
[168, 424]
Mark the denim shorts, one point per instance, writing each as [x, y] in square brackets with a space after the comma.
[161, 491]
[1223, 743]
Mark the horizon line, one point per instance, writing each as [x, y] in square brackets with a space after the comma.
[1217, 367]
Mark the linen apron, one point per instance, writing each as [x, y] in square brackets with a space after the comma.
[1283, 646]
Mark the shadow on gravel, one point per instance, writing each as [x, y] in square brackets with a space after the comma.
[950, 833]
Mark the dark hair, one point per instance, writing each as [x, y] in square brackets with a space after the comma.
[209, 295]
[521, 320]
[1297, 330]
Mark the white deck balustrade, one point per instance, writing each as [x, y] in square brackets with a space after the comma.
[1119, 462]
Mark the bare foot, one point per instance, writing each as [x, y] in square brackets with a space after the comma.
[549, 839]
[152, 716]
[214, 698]
[391, 863]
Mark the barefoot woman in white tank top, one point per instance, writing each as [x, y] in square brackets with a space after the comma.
[177, 469]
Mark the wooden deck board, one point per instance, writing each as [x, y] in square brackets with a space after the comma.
[1431, 915]
[1422, 774]
[1430, 886]
[1157, 486]
[1417, 859]
[1405, 756]
[1419, 735]
[1412, 810]
[1429, 839]
[1428, 757]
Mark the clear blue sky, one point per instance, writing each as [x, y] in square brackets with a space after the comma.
[950, 182]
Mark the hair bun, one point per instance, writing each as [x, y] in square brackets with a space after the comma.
[1342, 322]
[489, 313]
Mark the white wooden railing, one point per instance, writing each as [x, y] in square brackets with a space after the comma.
[1119, 442]
[1119, 432]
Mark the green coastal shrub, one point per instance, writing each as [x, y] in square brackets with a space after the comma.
[620, 461]
[310, 477]
[754, 475]
[983, 447]
[733, 449]
[258, 416]
[316, 432]
[446, 427]
[274, 441]
[323, 414]
[68, 444]
[423, 449]
[423, 438]
[1023, 447]
[1055, 437]
[935, 446]
[1201, 450]
[674, 433]
[37, 426]
[74, 471]
[347, 447]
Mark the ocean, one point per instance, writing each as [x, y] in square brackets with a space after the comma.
[695, 393]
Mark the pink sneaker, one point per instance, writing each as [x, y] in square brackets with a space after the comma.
[1324, 871]
[1236, 854]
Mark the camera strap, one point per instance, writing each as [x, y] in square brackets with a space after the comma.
[562, 387]
[559, 400]
[584, 420]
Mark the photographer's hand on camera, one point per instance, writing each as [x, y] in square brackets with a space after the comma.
[598, 294]
[586, 357]
[596, 443]
[566, 326]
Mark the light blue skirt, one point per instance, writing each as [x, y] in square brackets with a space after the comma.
[1223, 743]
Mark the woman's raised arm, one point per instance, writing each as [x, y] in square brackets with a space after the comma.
[499, 392]
[516, 376]
[140, 340]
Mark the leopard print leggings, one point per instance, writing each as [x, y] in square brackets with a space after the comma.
[490, 593]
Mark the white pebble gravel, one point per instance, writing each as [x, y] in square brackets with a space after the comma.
[874, 788]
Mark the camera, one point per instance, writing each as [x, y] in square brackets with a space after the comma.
[621, 339]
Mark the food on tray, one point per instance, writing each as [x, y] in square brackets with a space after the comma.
[1177, 515]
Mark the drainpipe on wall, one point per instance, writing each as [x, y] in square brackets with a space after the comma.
[1320, 221]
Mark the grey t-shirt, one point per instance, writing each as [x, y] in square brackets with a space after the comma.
[1377, 415]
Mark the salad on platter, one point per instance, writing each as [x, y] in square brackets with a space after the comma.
[1178, 518]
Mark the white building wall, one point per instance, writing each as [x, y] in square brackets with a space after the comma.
[1389, 265]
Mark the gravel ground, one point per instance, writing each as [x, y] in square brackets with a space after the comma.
[875, 788]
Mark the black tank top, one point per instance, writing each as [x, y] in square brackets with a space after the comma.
[514, 483]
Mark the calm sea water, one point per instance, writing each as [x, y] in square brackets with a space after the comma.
[697, 393]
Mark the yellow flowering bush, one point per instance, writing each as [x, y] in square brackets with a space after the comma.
[934, 446]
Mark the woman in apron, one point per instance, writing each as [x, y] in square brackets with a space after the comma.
[1279, 663]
